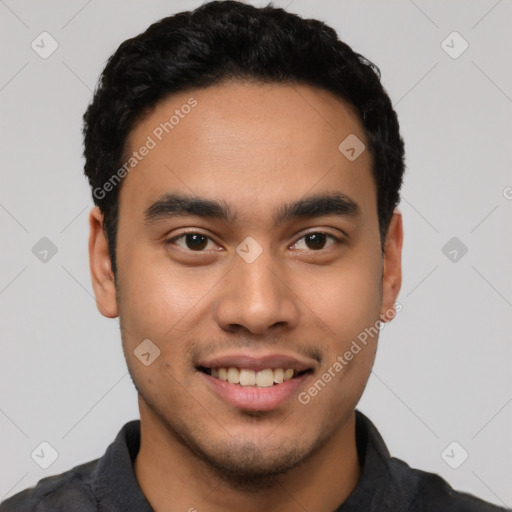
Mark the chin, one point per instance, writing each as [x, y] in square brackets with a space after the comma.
[249, 467]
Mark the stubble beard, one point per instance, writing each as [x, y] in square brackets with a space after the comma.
[241, 465]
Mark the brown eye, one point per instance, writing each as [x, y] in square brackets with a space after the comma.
[316, 241]
[191, 241]
[195, 241]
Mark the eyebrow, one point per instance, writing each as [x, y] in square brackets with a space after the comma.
[176, 205]
[318, 206]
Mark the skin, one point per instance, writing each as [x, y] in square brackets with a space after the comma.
[255, 147]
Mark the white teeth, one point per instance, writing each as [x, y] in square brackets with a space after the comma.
[233, 375]
[278, 375]
[265, 378]
[246, 377]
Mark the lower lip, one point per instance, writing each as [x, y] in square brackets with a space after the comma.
[251, 398]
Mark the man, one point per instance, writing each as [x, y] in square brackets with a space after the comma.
[246, 167]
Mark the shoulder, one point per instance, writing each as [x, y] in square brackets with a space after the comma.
[70, 490]
[428, 491]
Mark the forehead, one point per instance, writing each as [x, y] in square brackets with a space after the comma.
[250, 144]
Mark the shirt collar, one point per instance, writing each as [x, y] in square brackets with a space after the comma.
[114, 483]
[376, 488]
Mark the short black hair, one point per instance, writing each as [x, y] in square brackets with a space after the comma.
[221, 41]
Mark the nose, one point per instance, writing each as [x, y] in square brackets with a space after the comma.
[256, 298]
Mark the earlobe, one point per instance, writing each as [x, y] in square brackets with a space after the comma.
[392, 267]
[102, 276]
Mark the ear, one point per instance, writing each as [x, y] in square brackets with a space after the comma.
[392, 267]
[100, 265]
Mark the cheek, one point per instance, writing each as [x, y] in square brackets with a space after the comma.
[155, 303]
[345, 311]
[154, 296]
[344, 298]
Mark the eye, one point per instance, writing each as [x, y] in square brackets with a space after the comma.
[315, 241]
[192, 241]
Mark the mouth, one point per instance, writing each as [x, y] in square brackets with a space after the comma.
[256, 381]
[248, 377]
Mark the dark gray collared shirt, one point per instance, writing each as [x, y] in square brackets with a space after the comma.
[108, 484]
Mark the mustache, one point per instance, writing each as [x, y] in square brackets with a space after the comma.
[199, 350]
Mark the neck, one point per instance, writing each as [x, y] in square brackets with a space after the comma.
[172, 478]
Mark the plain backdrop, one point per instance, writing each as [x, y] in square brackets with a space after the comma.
[443, 366]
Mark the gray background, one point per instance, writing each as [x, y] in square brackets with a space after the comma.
[443, 366]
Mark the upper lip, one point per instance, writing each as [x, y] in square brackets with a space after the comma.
[259, 362]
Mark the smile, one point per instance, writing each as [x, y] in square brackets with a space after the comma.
[247, 377]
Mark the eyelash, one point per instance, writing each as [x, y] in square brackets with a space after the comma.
[335, 239]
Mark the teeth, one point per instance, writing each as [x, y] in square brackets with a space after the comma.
[246, 377]
[265, 378]
[278, 375]
[233, 375]
[288, 374]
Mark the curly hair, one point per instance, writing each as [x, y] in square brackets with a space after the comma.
[226, 40]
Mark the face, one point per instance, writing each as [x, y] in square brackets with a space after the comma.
[248, 246]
